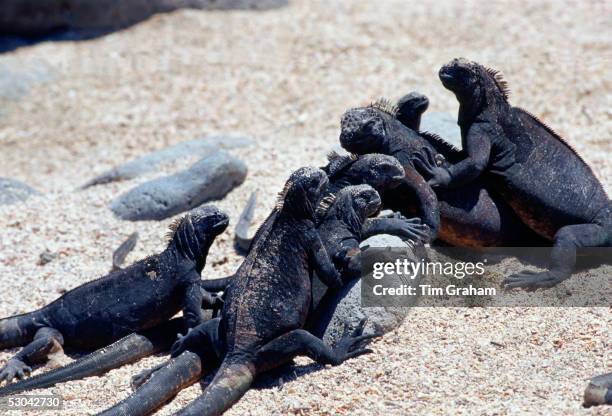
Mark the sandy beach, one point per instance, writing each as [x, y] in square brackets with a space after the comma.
[284, 77]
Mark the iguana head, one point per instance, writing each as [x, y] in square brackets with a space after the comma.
[410, 109]
[302, 192]
[194, 233]
[473, 84]
[351, 205]
[365, 129]
[377, 170]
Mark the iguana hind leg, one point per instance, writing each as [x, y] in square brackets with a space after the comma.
[563, 256]
[124, 351]
[302, 342]
[237, 372]
[156, 386]
[46, 341]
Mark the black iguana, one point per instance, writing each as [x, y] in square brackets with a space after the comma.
[266, 308]
[380, 171]
[134, 299]
[547, 184]
[468, 217]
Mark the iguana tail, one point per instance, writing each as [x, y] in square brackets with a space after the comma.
[163, 385]
[124, 351]
[599, 391]
[123, 250]
[231, 382]
[242, 240]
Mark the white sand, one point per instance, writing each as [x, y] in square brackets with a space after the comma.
[285, 76]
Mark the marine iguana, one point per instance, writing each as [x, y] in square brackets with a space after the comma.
[379, 171]
[266, 308]
[134, 299]
[340, 219]
[410, 108]
[471, 216]
[547, 184]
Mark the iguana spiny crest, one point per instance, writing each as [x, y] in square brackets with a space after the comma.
[352, 205]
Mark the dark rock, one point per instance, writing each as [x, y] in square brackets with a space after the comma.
[200, 147]
[12, 191]
[444, 125]
[46, 257]
[208, 179]
[36, 17]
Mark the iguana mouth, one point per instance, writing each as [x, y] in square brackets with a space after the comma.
[445, 77]
[221, 225]
[396, 181]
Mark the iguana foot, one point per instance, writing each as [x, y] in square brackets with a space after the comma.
[410, 229]
[14, 369]
[141, 378]
[354, 344]
[530, 280]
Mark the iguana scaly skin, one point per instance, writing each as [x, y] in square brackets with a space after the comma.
[126, 350]
[340, 220]
[380, 171]
[134, 299]
[469, 217]
[547, 184]
[266, 308]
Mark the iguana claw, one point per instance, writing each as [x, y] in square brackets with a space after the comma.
[14, 368]
[531, 280]
[353, 344]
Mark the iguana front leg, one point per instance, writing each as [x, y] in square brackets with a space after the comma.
[406, 228]
[477, 145]
[321, 262]
[46, 341]
[428, 208]
[193, 298]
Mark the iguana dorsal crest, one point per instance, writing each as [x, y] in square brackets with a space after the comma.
[280, 199]
[552, 133]
[174, 225]
[499, 80]
[323, 207]
[338, 162]
[386, 106]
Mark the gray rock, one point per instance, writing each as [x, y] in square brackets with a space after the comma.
[12, 191]
[444, 125]
[208, 179]
[200, 147]
[349, 310]
[31, 17]
[18, 76]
